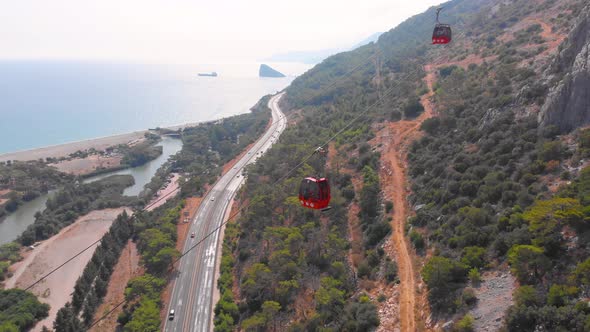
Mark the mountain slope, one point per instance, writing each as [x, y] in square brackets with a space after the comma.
[483, 175]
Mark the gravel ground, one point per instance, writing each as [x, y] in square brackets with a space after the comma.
[56, 289]
[494, 297]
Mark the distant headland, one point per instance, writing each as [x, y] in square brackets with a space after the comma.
[266, 71]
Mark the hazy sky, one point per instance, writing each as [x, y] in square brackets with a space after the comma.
[190, 31]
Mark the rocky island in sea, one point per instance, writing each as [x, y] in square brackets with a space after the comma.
[266, 71]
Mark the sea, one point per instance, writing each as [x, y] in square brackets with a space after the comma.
[46, 103]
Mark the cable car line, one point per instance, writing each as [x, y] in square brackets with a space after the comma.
[280, 179]
[443, 29]
[380, 99]
[339, 79]
[60, 266]
[231, 217]
[286, 174]
[235, 214]
[90, 246]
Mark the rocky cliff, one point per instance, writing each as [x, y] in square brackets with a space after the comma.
[568, 103]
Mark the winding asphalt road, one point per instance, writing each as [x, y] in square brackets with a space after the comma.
[192, 295]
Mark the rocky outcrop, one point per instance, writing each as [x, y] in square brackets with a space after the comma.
[567, 105]
[266, 71]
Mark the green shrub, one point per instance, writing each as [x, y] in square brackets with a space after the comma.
[417, 240]
[413, 108]
[21, 309]
[468, 297]
[364, 270]
[552, 151]
[446, 71]
[527, 295]
[473, 256]
[430, 125]
[465, 324]
[560, 295]
[390, 271]
[528, 262]
[474, 276]
[388, 206]
[442, 275]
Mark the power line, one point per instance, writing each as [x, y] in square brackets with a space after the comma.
[244, 207]
[235, 214]
[99, 240]
[83, 250]
[290, 171]
[94, 243]
[161, 198]
[107, 314]
[367, 60]
[175, 261]
[60, 266]
[322, 89]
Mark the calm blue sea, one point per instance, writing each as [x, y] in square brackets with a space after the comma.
[45, 103]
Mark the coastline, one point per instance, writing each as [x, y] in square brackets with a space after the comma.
[65, 149]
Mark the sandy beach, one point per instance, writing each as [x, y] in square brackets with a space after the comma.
[57, 288]
[63, 150]
[100, 143]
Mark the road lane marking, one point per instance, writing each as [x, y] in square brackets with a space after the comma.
[201, 275]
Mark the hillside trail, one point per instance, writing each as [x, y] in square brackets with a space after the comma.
[552, 39]
[397, 137]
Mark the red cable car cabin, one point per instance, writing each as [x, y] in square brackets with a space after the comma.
[442, 34]
[314, 193]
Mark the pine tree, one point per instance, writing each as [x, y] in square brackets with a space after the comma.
[66, 320]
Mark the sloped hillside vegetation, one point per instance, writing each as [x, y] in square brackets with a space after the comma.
[479, 175]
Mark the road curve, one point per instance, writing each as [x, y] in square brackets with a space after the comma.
[192, 293]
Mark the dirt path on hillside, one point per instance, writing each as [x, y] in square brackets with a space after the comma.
[552, 40]
[126, 268]
[395, 138]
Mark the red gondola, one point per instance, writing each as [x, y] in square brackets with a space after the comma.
[314, 193]
[442, 33]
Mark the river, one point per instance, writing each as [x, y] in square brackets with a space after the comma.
[143, 174]
[17, 222]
